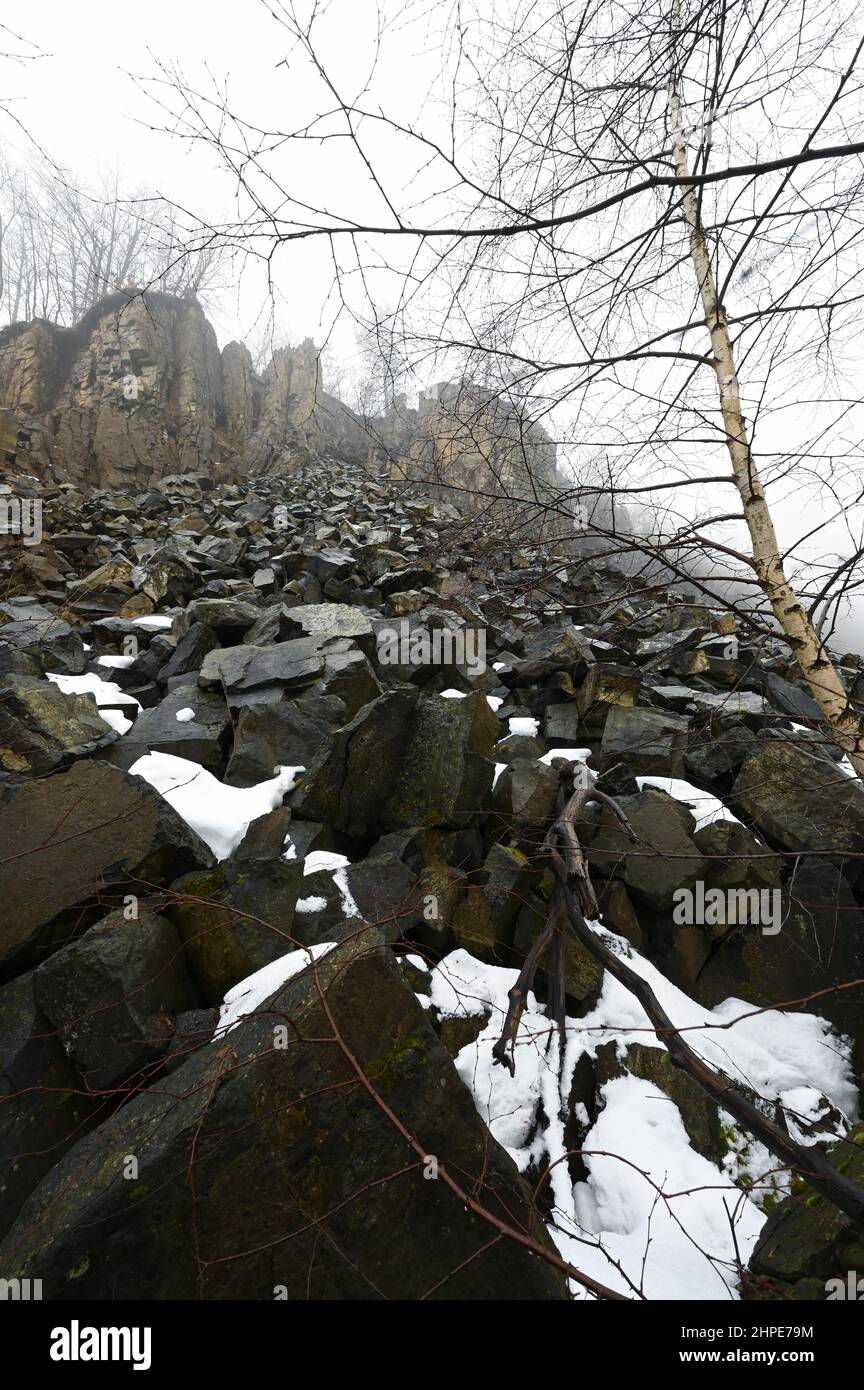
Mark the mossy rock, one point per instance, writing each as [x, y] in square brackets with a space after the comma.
[459, 1032]
[807, 1238]
[235, 919]
[818, 947]
[283, 1144]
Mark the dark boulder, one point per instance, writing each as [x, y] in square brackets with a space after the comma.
[76, 840]
[249, 1151]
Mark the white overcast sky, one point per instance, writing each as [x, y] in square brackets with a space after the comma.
[82, 106]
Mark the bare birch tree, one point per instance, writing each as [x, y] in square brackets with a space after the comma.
[588, 165]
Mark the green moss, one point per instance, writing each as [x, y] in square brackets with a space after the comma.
[81, 1268]
[398, 1064]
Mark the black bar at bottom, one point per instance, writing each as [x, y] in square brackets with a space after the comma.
[157, 1338]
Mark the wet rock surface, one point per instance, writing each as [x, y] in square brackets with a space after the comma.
[324, 621]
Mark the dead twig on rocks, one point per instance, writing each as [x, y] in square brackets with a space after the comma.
[572, 902]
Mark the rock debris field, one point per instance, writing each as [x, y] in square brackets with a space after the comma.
[269, 872]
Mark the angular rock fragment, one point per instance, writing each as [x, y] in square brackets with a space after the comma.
[652, 742]
[42, 728]
[112, 995]
[43, 1102]
[800, 801]
[293, 1123]
[75, 840]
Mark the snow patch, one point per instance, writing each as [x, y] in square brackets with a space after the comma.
[249, 995]
[573, 755]
[705, 807]
[105, 692]
[155, 621]
[221, 815]
[650, 1200]
[115, 720]
[522, 724]
[120, 663]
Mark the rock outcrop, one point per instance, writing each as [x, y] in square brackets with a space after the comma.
[139, 389]
[458, 420]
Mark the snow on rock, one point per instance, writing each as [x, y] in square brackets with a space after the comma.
[219, 814]
[184, 716]
[652, 1210]
[705, 807]
[324, 859]
[651, 1198]
[116, 720]
[573, 755]
[247, 996]
[464, 987]
[156, 621]
[120, 663]
[523, 724]
[106, 694]
[770, 1052]
[311, 904]
[338, 864]
[349, 906]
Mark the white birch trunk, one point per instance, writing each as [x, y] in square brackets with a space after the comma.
[812, 657]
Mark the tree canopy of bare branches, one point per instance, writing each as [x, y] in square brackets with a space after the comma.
[63, 247]
[643, 220]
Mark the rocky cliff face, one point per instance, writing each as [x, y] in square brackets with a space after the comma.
[467, 445]
[139, 390]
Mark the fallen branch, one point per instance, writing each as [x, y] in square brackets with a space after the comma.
[573, 898]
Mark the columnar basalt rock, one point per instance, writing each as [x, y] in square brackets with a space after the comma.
[139, 390]
[479, 450]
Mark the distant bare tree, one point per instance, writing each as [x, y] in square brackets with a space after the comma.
[63, 247]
